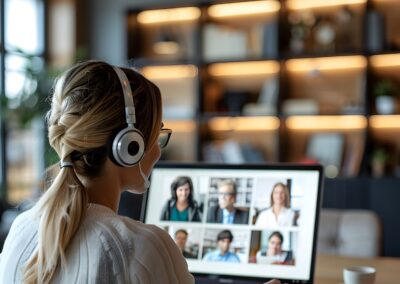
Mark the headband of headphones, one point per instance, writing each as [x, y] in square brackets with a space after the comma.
[130, 114]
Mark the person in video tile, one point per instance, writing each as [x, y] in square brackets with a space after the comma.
[225, 212]
[181, 206]
[181, 237]
[280, 213]
[224, 240]
[274, 253]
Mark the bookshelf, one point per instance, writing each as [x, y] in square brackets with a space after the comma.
[252, 81]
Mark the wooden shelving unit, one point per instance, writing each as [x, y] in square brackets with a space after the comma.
[252, 81]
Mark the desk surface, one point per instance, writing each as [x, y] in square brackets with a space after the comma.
[329, 269]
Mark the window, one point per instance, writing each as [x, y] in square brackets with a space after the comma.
[22, 49]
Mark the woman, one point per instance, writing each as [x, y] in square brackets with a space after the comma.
[181, 206]
[274, 253]
[279, 214]
[106, 146]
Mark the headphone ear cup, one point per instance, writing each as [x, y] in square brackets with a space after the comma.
[126, 148]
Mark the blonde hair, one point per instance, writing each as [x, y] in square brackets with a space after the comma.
[87, 108]
[286, 192]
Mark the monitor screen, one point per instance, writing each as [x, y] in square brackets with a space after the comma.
[254, 222]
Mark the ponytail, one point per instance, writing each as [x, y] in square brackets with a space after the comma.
[61, 209]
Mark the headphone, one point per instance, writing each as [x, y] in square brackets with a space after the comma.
[127, 144]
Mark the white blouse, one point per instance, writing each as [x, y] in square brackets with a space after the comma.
[107, 248]
[268, 219]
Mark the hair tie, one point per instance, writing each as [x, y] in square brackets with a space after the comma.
[66, 164]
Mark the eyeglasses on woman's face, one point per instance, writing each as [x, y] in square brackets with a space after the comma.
[163, 138]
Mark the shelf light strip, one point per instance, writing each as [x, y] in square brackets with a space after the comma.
[385, 121]
[244, 68]
[314, 4]
[182, 126]
[243, 9]
[385, 60]
[348, 122]
[326, 63]
[244, 124]
[169, 15]
[169, 72]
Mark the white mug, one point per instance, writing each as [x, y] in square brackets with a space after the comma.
[359, 275]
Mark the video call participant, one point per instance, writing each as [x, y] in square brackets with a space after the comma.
[224, 240]
[181, 237]
[274, 253]
[280, 213]
[225, 212]
[105, 125]
[181, 206]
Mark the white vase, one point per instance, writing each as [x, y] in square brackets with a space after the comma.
[385, 105]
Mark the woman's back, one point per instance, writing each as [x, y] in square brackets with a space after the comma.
[107, 248]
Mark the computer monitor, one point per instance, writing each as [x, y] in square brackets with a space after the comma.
[244, 223]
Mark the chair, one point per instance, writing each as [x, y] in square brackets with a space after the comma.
[356, 233]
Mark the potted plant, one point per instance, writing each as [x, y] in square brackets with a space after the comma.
[378, 161]
[385, 92]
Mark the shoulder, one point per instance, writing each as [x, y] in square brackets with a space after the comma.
[265, 212]
[213, 208]
[210, 254]
[111, 227]
[288, 211]
[194, 204]
[144, 249]
[235, 256]
[24, 220]
[170, 203]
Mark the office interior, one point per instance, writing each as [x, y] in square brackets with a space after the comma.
[289, 81]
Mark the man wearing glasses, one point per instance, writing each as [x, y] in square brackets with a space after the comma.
[226, 212]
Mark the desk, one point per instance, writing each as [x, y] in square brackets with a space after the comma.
[329, 269]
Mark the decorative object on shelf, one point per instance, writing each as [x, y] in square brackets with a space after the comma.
[231, 151]
[327, 148]
[166, 43]
[221, 42]
[324, 35]
[300, 30]
[270, 40]
[267, 103]
[345, 27]
[378, 162]
[376, 34]
[300, 107]
[385, 92]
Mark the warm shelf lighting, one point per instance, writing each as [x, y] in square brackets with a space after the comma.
[314, 4]
[243, 9]
[244, 123]
[169, 15]
[385, 121]
[243, 68]
[169, 72]
[342, 122]
[383, 1]
[326, 63]
[385, 60]
[166, 47]
[180, 126]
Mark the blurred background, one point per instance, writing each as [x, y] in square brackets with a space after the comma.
[242, 82]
